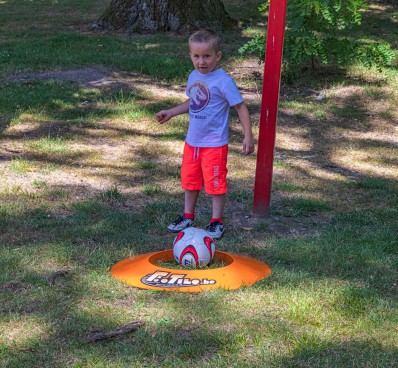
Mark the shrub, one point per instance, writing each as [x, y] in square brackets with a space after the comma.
[315, 35]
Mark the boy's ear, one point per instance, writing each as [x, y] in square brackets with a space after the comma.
[219, 54]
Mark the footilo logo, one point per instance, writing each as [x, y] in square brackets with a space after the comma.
[173, 280]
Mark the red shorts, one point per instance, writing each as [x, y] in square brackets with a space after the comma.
[208, 166]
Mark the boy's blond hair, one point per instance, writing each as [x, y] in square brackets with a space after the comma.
[206, 35]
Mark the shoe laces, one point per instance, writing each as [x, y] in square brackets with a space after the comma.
[213, 226]
[178, 220]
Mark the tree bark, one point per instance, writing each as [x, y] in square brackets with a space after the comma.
[151, 16]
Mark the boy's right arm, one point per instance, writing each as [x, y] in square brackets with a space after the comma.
[166, 115]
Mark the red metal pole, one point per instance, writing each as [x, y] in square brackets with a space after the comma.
[269, 107]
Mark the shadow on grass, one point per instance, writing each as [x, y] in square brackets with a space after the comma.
[329, 354]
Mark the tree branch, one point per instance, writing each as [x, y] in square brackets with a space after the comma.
[94, 336]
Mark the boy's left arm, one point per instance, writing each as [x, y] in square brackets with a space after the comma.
[244, 117]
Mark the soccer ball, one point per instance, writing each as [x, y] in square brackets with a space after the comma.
[193, 247]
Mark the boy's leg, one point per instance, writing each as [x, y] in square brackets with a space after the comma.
[216, 226]
[187, 219]
[218, 201]
[191, 181]
[214, 166]
[191, 197]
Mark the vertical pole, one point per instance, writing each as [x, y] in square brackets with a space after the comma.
[269, 107]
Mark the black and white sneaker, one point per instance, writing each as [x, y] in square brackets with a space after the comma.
[180, 223]
[215, 229]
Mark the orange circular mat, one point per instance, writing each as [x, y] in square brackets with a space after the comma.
[141, 271]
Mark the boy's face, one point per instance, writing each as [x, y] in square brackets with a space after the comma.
[204, 57]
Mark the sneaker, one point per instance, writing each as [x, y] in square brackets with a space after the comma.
[180, 223]
[215, 229]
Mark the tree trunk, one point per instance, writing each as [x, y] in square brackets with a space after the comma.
[150, 16]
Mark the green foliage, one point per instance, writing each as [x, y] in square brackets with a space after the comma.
[316, 33]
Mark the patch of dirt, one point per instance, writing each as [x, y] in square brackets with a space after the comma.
[104, 78]
[84, 76]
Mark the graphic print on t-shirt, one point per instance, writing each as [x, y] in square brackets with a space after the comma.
[200, 96]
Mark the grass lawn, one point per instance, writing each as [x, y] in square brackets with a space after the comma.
[89, 178]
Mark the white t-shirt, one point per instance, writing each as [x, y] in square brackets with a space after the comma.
[211, 96]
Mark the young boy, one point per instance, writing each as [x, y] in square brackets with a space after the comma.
[211, 93]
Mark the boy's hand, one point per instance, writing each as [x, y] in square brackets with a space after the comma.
[163, 116]
[244, 117]
[248, 146]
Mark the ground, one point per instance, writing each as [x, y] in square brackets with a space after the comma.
[308, 146]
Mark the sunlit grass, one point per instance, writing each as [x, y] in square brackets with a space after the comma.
[112, 194]
[287, 187]
[50, 145]
[20, 166]
[151, 189]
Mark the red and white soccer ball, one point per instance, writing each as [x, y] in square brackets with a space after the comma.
[193, 248]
